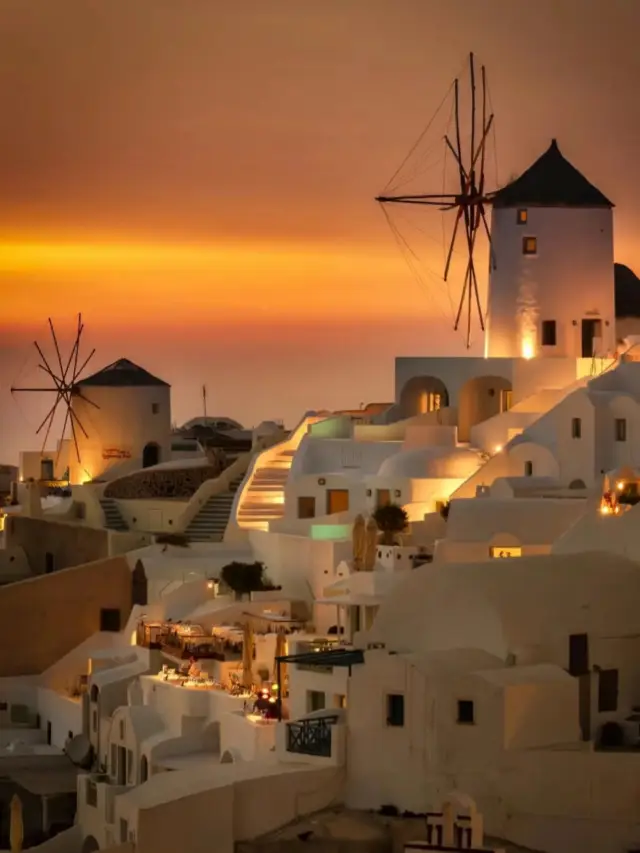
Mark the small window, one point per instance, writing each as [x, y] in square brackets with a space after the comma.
[92, 793]
[529, 245]
[155, 408]
[608, 690]
[316, 701]
[114, 759]
[528, 469]
[621, 429]
[548, 333]
[109, 619]
[306, 507]
[94, 721]
[466, 712]
[49, 563]
[498, 552]
[121, 729]
[576, 428]
[523, 216]
[395, 709]
[3, 706]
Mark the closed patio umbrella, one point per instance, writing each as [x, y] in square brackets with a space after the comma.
[359, 542]
[16, 826]
[247, 656]
[371, 546]
[280, 651]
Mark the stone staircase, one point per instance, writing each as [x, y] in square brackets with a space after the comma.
[210, 523]
[112, 516]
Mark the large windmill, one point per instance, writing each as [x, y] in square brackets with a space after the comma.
[470, 200]
[64, 378]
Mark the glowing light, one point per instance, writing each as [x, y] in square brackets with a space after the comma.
[209, 584]
[605, 510]
[527, 348]
[497, 448]
[620, 485]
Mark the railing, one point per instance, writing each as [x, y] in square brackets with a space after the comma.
[305, 648]
[311, 737]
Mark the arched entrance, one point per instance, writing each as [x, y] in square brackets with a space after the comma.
[423, 394]
[150, 454]
[481, 398]
[139, 594]
[90, 845]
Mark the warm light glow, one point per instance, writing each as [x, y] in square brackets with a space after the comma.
[528, 350]
[605, 510]
[497, 448]
[498, 552]
[209, 584]
[620, 485]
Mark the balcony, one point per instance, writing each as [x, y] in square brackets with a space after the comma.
[311, 737]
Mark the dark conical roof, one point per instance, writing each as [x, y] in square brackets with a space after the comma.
[122, 374]
[627, 291]
[550, 182]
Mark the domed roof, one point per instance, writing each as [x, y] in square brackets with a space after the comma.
[433, 463]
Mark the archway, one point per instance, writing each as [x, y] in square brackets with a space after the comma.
[150, 454]
[577, 484]
[90, 845]
[481, 398]
[139, 592]
[423, 394]
[230, 756]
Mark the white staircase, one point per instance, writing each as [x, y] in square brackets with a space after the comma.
[112, 515]
[262, 498]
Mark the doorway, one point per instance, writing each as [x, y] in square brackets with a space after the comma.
[150, 455]
[591, 329]
[46, 469]
[337, 501]
[383, 497]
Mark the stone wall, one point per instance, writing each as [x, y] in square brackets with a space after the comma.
[166, 482]
[44, 618]
[67, 544]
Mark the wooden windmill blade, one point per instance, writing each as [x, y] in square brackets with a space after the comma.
[468, 201]
[64, 380]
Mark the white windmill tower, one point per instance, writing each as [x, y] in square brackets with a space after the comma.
[552, 291]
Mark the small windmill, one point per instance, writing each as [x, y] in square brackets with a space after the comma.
[469, 203]
[64, 387]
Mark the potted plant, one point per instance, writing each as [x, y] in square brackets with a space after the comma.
[392, 520]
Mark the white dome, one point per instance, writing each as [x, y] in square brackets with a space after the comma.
[432, 463]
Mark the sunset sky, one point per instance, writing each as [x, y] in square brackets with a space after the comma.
[197, 177]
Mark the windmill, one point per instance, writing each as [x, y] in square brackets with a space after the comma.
[470, 201]
[64, 379]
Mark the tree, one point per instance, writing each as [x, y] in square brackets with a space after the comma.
[245, 578]
[391, 520]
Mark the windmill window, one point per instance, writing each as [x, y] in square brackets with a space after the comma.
[576, 428]
[529, 245]
[528, 469]
[621, 429]
[466, 712]
[548, 333]
[155, 408]
[523, 216]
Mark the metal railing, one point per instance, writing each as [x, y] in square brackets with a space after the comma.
[311, 737]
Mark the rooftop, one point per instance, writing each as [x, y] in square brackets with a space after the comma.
[122, 374]
[552, 181]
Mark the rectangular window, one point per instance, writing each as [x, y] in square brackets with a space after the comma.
[94, 721]
[548, 333]
[608, 690]
[528, 469]
[92, 793]
[155, 408]
[121, 729]
[466, 712]
[316, 701]
[337, 501]
[576, 428]
[529, 245]
[523, 216]
[395, 709]
[109, 619]
[621, 429]
[306, 507]
[339, 700]
[498, 552]
[383, 497]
